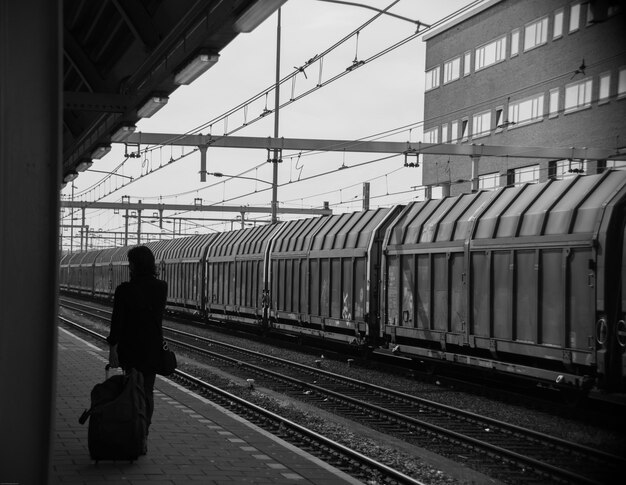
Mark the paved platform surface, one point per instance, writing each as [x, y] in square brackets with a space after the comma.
[191, 439]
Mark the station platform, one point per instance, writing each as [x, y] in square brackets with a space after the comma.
[192, 440]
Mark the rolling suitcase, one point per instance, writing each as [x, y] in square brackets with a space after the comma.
[117, 418]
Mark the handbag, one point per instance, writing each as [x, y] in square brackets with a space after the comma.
[167, 361]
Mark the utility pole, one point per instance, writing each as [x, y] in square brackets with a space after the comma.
[366, 196]
[125, 200]
[276, 119]
[81, 232]
[72, 223]
[139, 226]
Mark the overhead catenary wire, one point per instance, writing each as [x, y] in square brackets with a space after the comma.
[265, 92]
[391, 132]
[394, 131]
[270, 89]
[245, 105]
[306, 154]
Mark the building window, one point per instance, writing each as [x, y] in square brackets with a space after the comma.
[464, 129]
[481, 124]
[564, 169]
[605, 86]
[554, 102]
[574, 18]
[613, 10]
[598, 11]
[489, 181]
[578, 95]
[431, 136]
[589, 14]
[444, 133]
[514, 42]
[452, 70]
[432, 78]
[616, 164]
[526, 110]
[467, 63]
[436, 192]
[454, 132]
[524, 175]
[489, 54]
[536, 34]
[621, 83]
[558, 24]
[499, 112]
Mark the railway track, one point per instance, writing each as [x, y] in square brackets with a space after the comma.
[504, 451]
[332, 452]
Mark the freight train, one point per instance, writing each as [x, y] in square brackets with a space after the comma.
[523, 281]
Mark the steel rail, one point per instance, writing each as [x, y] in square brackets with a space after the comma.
[352, 454]
[349, 454]
[393, 415]
[407, 397]
[506, 428]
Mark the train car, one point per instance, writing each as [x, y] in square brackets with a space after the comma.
[64, 274]
[182, 263]
[103, 272]
[68, 272]
[111, 269]
[236, 288]
[82, 275]
[159, 249]
[525, 281]
[320, 275]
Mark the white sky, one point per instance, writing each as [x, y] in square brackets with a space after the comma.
[382, 95]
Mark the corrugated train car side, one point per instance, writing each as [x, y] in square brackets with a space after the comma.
[523, 281]
[182, 263]
[320, 272]
[526, 281]
[236, 275]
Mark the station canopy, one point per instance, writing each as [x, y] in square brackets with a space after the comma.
[122, 59]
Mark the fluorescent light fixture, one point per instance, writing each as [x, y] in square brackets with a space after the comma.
[256, 14]
[123, 132]
[100, 151]
[84, 165]
[154, 104]
[70, 176]
[197, 66]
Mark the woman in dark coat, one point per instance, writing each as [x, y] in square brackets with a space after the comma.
[136, 333]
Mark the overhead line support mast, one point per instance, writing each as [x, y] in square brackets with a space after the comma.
[304, 144]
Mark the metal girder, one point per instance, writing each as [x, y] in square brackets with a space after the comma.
[189, 207]
[301, 144]
[103, 102]
[84, 66]
[139, 22]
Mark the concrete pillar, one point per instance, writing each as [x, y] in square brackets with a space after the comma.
[30, 178]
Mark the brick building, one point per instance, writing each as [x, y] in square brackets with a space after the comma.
[544, 73]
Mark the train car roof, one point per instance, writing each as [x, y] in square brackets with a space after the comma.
[251, 241]
[553, 208]
[340, 231]
[188, 248]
